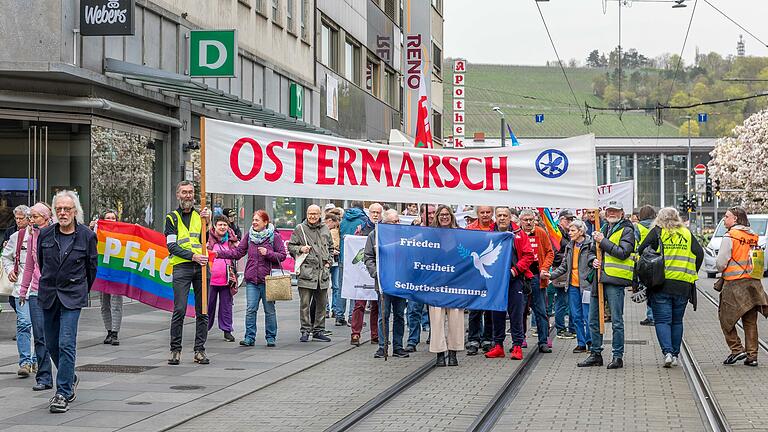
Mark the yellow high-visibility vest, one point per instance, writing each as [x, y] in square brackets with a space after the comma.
[679, 259]
[188, 238]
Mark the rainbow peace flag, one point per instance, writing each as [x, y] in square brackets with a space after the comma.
[134, 262]
[552, 229]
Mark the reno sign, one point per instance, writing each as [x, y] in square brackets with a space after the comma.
[107, 17]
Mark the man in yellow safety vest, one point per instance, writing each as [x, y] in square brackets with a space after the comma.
[183, 233]
[617, 243]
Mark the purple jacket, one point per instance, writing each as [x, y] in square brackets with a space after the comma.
[258, 266]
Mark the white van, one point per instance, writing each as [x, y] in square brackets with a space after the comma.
[758, 223]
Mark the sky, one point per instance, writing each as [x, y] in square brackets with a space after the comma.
[512, 32]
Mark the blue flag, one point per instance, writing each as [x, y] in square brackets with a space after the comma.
[512, 137]
[452, 268]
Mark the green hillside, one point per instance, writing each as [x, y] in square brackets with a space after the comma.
[523, 91]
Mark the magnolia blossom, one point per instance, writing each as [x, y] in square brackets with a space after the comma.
[739, 162]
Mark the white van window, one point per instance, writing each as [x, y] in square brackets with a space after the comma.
[758, 226]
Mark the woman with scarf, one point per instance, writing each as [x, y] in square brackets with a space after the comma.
[265, 252]
[40, 216]
[223, 276]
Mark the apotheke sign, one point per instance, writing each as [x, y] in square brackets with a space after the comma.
[107, 17]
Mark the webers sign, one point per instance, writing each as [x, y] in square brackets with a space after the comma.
[251, 160]
[106, 17]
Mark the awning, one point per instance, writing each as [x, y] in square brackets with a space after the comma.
[175, 85]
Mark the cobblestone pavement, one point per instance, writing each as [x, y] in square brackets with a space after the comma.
[448, 399]
[643, 396]
[314, 399]
[152, 400]
[739, 389]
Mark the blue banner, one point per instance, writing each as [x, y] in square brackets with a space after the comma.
[452, 268]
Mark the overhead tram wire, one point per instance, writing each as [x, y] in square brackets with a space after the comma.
[560, 62]
[694, 105]
[734, 21]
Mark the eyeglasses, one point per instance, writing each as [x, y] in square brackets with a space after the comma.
[63, 209]
[444, 215]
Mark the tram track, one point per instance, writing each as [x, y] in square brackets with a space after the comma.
[483, 422]
[712, 414]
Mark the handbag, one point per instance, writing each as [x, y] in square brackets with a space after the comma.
[232, 279]
[6, 286]
[650, 267]
[303, 256]
[279, 286]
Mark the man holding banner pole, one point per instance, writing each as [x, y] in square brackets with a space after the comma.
[183, 234]
[616, 240]
[388, 303]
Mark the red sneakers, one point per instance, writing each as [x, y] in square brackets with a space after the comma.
[496, 352]
[517, 353]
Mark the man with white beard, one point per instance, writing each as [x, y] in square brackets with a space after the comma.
[617, 243]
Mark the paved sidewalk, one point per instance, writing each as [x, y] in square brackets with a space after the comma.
[152, 400]
[643, 396]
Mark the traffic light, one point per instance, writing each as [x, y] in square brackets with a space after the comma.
[692, 204]
[717, 188]
[708, 194]
[682, 205]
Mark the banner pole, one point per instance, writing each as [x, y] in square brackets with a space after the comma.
[203, 235]
[600, 294]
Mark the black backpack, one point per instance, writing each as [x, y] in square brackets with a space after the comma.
[650, 267]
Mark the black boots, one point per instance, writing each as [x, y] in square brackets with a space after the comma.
[452, 361]
[616, 363]
[594, 359]
[440, 361]
[111, 339]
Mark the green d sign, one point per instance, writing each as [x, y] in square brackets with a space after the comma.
[212, 53]
[297, 101]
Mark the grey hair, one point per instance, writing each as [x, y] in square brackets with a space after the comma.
[21, 209]
[529, 212]
[75, 199]
[389, 215]
[668, 219]
[579, 225]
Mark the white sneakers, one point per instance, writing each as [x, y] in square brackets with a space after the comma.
[674, 361]
[668, 359]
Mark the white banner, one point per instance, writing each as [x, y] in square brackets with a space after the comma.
[251, 160]
[623, 192]
[356, 283]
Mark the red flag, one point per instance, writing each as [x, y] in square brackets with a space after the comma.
[423, 129]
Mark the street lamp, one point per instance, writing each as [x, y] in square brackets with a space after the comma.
[688, 161]
[503, 123]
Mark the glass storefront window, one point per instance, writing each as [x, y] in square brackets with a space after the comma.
[675, 168]
[648, 180]
[622, 168]
[122, 173]
[287, 212]
[601, 168]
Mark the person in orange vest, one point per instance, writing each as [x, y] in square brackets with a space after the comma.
[742, 297]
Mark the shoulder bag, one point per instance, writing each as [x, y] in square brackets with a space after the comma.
[6, 286]
[302, 256]
[278, 286]
[650, 266]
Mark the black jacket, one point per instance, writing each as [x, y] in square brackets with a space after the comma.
[70, 279]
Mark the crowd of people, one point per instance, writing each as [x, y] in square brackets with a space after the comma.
[51, 258]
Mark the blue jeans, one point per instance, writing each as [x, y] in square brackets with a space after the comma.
[669, 311]
[649, 312]
[24, 334]
[397, 306]
[615, 296]
[61, 341]
[539, 307]
[562, 308]
[336, 300]
[579, 316]
[253, 295]
[44, 372]
[415, 321]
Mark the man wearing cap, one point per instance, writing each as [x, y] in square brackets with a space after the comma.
[559, 288]
[617, 243]
[231, 214]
